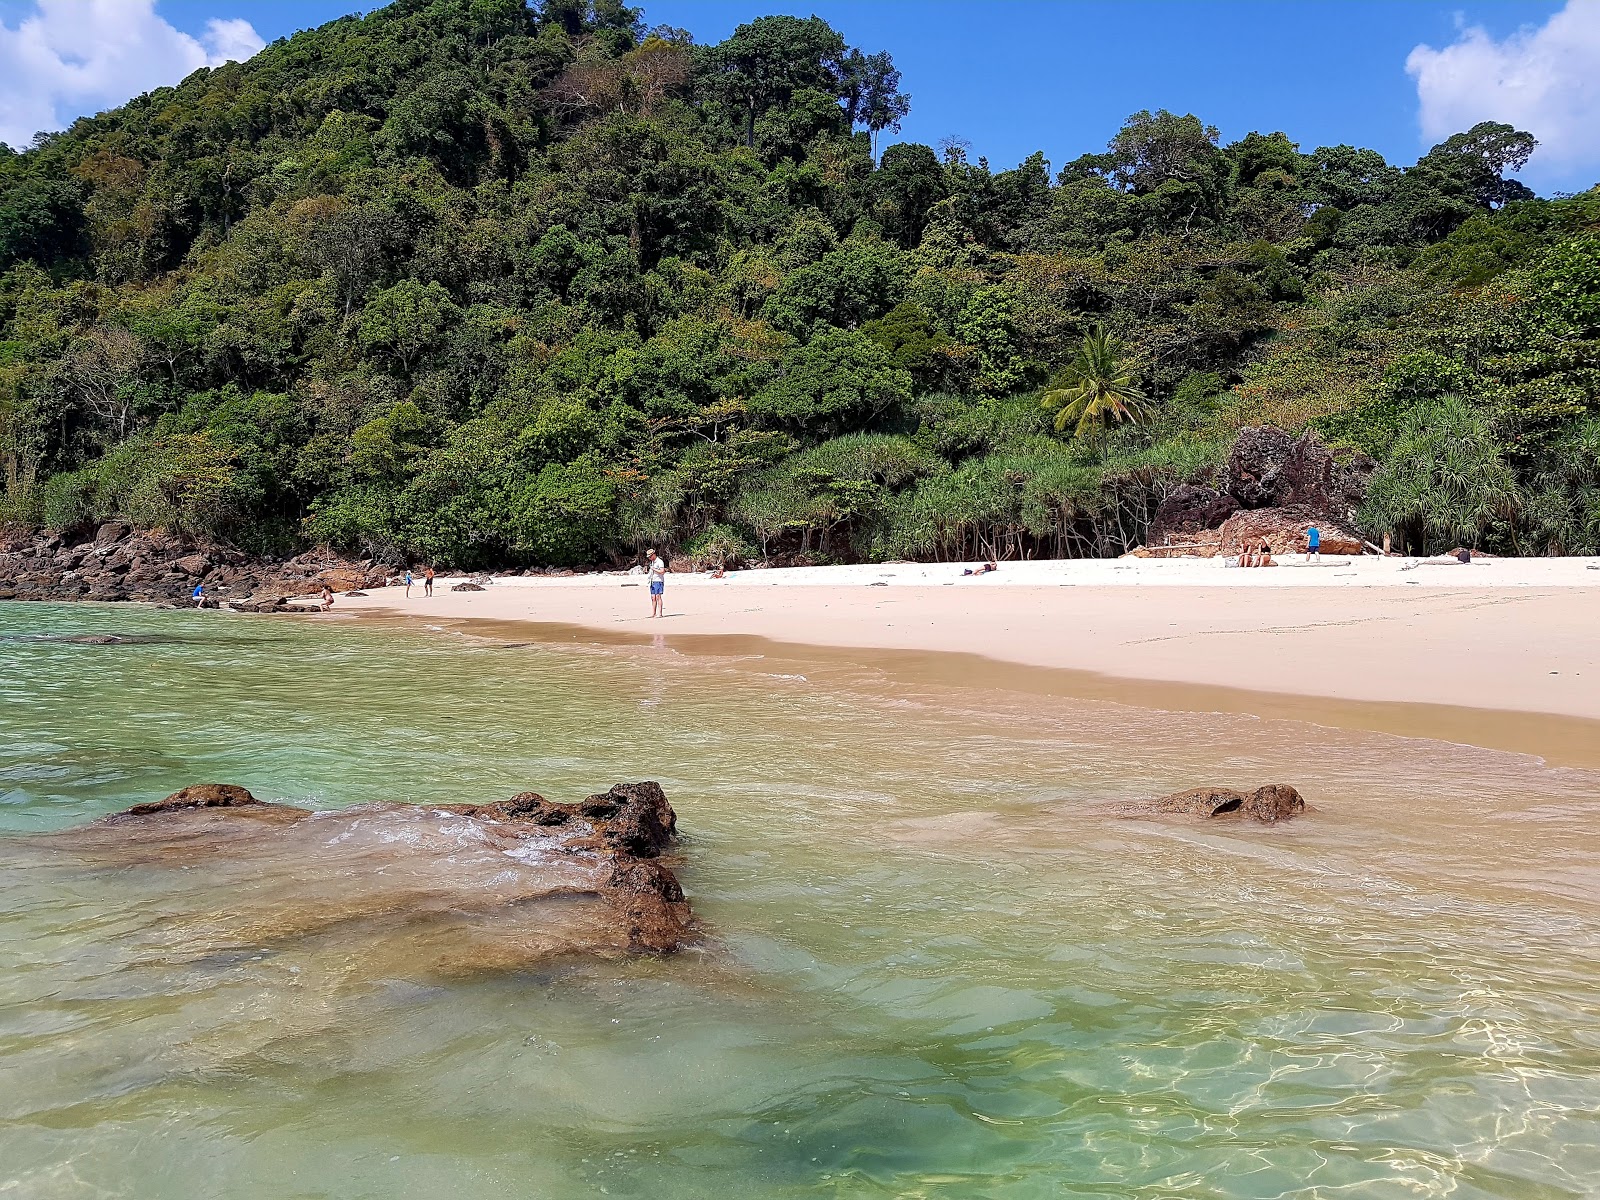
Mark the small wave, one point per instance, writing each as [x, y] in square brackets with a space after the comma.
[86, 639]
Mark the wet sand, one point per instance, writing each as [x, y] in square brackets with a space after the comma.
[1505, 665]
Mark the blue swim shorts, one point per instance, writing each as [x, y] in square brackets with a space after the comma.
[657, 587]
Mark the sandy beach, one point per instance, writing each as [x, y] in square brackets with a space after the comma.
[1509, 636]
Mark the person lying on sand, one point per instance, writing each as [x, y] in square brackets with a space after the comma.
[983, 570]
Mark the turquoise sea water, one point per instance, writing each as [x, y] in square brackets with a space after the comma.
[936, 964]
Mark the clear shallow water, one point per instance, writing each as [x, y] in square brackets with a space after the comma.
[936, 965]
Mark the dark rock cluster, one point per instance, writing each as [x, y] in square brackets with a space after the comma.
[1274, 485]
[120, 563]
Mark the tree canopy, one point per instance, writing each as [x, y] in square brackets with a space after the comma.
[501, 283]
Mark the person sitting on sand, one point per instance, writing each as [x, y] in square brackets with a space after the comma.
[327, 597]
[1264, 555]
[1247, 555]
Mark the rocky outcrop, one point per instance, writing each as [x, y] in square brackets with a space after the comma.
[1284, 532]
[1271, 468]
[119, 563]
[476, 886]
[1273, 487]
[632, 818]
[1189, 509]
[1270, 804]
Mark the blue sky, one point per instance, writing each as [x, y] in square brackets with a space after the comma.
[1014, 76]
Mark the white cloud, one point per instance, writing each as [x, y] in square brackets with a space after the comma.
[71, 57]
[1543, 79]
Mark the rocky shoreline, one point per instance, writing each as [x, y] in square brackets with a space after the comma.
[121, 563]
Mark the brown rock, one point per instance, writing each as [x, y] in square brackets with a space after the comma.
[110, 533]
[197, 795]
[526, 880]
[1188, 510]
[1284, 531]
[468, 586]
[1271, 468]
[1275, 802]
[193, 564]
[633, 818]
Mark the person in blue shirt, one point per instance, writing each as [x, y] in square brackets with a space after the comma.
[198, 595]
[408, 581]
[1313, 543]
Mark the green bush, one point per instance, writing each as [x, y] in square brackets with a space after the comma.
[1444, 482]
[718, 547]
[182, 482]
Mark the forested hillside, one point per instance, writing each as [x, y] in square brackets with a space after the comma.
[502, 285]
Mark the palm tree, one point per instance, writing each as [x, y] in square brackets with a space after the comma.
[1100, 384]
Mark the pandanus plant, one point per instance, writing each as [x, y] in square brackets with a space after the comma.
[1099, 387]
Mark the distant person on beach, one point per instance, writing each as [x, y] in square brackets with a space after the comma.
[658, 584]
[1265, 556]
[427, 581]
[408, 581]
[198, 595]
[1313, 543]
[327, 597]
[983, 570]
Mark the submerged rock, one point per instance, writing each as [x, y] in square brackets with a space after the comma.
[410, 888]
[1275, 802]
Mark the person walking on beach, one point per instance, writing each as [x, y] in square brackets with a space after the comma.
[327, 597]
[408, 583]
[658, 584]
[427, 581]
[1313, 543]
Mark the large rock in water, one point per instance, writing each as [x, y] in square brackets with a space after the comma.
[410, 889]
[1275, 802]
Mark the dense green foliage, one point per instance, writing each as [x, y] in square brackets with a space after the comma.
[498, 284]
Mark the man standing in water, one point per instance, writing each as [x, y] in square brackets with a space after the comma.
[658, 584]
